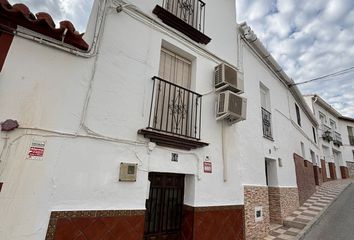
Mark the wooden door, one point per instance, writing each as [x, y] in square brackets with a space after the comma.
[164, 207]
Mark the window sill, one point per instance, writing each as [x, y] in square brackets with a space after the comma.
[269, 138]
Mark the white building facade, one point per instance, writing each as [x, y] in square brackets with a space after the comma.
[346, 125]
[330, 138]
[76, 165]
[281, 138]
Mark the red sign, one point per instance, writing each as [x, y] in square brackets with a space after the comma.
[36, 152]
[208, 168]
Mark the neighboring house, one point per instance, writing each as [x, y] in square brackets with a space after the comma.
[346, 125]
[281, 141]
[166, 120]
[332, 162]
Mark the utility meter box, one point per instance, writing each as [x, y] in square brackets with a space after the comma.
[127, 172]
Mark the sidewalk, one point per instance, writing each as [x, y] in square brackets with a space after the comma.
[299, 221]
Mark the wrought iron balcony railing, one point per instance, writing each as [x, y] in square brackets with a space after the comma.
[327, 133]
[337, 140]
[351, 140]
[187, 16]
[175, 110]
[267, 126]
[191, 12]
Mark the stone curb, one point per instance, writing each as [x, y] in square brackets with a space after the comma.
[319, 216]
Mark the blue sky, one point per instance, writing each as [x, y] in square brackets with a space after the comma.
[307, 38]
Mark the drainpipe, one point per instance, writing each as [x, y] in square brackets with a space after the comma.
[224, 160]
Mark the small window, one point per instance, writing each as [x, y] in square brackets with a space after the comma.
[265, 97]
[314, 134]
[266, 114]
[298, 117]
[303, 150]
[333, 124]
[350, 135]
[323, 118]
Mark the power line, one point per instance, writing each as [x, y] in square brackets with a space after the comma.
[335, 74]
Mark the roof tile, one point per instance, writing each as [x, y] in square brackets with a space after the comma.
[19, 14]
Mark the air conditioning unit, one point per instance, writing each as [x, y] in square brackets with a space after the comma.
[231, 107]
[228, 78]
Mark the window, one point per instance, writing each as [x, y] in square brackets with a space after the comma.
[174, 68]
[265, 97]
[333, 124]
[266, 114]
[303, 150]
[323, 118]
[350, 135]
[314, 134]
[298, 117]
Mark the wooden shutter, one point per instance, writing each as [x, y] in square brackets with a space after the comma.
[175, 69]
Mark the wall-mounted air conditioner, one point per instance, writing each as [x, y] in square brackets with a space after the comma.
[231, 107]
[228, 78]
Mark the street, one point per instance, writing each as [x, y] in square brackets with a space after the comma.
[337, 223]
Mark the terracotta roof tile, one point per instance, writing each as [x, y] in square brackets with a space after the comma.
[19, 14]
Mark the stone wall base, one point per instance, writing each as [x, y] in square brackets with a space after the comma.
[318, 175]
[282, 202]
[332, 170]
[220, 222]
[304, 177]
[256, 197]
[344, 172]
[350, 166]
[92, 225]
[324, 171]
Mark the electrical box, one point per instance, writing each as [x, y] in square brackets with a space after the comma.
[258, 213]
[127, 172]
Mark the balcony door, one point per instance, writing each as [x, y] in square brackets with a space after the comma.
[176, 107]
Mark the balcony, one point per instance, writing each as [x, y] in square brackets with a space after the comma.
[337, 140]
[351, 140]
[327, 133]
[187, 16]
[267, 126]
[175, 116]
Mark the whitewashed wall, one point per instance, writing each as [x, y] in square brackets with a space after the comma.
[329, 151]
[287, 134]
[347, 152]
[46, 88]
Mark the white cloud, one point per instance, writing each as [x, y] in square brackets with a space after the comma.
[76, 11]
[309, 39]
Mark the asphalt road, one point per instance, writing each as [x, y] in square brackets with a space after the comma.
[338, 221]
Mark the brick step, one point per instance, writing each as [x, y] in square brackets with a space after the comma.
[294, 224]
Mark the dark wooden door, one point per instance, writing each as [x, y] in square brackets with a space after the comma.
[164, 206]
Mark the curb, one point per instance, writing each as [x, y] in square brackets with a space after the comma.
[318, 218]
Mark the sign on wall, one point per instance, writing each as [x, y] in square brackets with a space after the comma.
[208, 168]
[36, 150]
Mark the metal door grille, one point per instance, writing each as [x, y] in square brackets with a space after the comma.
[164, 206]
